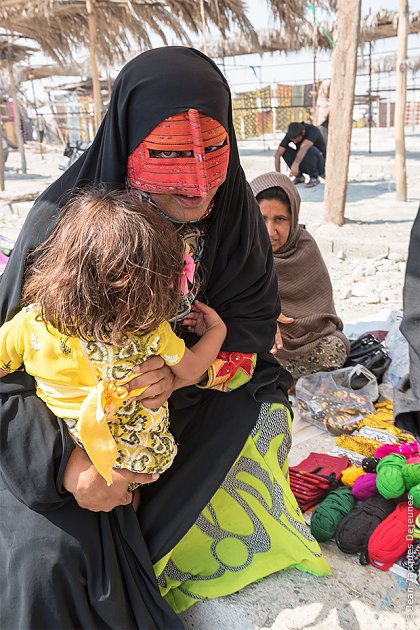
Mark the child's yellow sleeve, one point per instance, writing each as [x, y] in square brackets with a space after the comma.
[11, 344]
[171, 347]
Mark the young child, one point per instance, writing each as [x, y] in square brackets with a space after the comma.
[97, 299]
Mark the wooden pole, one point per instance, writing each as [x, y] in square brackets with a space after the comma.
[344, 63]
[18, 129]
[203, 26]
[38, 122]
[400, 103]
[97, 104]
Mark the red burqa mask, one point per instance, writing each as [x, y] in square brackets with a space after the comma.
[205, 169]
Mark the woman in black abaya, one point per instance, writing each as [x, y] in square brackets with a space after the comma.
[407, 394]
[79, 555]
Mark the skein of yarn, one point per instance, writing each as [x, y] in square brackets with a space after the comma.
[369, 464]
[416, 530]
[411, 477]
[401, 449]
[365, 487]
[414, 495]
[391, 538]
[389, 479]
[353, 532]
[327, 516]
[350, 474]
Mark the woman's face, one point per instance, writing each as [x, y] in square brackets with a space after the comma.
[184, 208]
[278, 220]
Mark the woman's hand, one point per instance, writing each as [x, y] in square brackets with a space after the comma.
[159, 380]
[90, 489]
[278, 343]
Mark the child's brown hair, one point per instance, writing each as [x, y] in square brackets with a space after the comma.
[111, 266]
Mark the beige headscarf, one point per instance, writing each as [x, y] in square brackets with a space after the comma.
[303, 280]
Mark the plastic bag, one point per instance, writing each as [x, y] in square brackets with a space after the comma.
[331, 401]
[397, 348]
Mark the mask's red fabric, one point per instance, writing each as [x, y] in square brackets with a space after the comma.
[203, 170]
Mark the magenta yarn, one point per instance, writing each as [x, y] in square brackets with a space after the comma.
[410, 449]
[365, 487]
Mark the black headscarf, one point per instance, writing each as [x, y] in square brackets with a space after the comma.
[238, 261]
[240, 284]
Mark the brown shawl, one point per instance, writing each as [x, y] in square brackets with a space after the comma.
[303, 280]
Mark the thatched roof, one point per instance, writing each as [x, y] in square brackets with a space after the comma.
[10, 50]
[33, 73]
[387, 64]
[123, 26]
[379, 26]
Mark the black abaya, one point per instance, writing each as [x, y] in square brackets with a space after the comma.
[93, 570]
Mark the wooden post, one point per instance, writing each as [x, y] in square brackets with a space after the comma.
[97, 103]
[203, 26]
[18, 129]
[400, 102]
[344, 63]
[38, 123]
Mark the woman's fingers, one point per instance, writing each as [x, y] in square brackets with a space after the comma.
[278, 343]
[91, 491]
[283, 319]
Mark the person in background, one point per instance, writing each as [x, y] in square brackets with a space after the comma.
[407, 394]
[312, 337]
[308, 158]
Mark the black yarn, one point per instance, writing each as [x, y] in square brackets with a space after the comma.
[369, 464]
[354, 531]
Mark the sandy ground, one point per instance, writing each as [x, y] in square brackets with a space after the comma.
[366, 258]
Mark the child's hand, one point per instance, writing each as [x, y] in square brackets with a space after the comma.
[201, 319]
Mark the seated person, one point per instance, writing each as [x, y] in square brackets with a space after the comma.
[312, 340]
[407, 394]
[309, 155]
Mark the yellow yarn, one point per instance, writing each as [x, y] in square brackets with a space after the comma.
[384, 419]
[350, 474]
[362, 445]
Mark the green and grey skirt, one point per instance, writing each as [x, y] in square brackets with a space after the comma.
[252, 526]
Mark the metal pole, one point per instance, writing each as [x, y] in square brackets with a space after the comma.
[315, 44]
[1, 155]
[370, 97]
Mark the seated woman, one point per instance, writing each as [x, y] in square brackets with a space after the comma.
[407, 394]
[313, 340]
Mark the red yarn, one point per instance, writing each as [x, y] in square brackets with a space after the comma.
[391, 539]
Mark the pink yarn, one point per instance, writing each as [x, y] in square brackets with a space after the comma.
[414, 459]
[365, 487]
[412, 448]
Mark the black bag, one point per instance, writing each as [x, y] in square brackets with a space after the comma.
[367, 350]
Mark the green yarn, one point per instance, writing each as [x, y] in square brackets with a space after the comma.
[389, 479]
[415, 495]
[329, 514]
[416, 530]
[411, 475]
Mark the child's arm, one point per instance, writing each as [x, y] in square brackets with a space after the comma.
[204, 321]
[3, 373]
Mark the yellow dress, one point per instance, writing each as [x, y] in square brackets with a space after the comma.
[83, 383]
